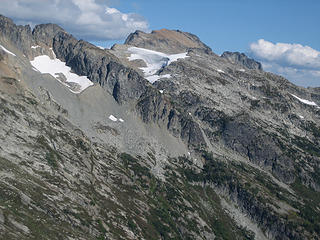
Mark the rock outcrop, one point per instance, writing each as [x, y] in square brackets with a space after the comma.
[242, 59]
[164, 40]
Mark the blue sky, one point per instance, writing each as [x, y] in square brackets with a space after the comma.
[234, 24]
[284, 35]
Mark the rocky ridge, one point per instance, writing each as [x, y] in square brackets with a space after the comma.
[164, 40]
[201, 151]
[242, 59]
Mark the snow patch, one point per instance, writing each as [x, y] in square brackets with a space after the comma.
[241, 70]
[154, 61]
[34, 69]
[304, 101]
[35, 47]
[55, 67]
[300, 116]
[161, 91]
[220, 71]
[166, 76]
[54, 55]
[113, 118]
[7, 51]
[154, 78]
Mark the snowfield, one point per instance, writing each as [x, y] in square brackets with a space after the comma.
[154, 61]
[55, 67]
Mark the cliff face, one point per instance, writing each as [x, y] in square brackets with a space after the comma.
[170, 141]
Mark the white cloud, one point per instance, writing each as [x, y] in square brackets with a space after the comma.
[298, 63]
[287, 54]
[88, 19]
[301, 77]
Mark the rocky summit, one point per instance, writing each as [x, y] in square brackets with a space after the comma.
[156, 138]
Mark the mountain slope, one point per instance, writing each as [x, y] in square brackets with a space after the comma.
[207, 149]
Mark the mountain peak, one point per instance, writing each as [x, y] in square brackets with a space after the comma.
[242, 59]
[165, 40]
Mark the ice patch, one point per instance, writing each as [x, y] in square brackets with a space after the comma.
[34, 47]
[7, 51]
[113, 118]
[154, 61]
[55, 67]
[305, 101]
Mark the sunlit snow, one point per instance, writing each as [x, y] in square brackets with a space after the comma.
[34, 69]
[121, 120]
[154, 61]
[154, 78]
[113, 118]
[55, 67]
[7, 51]
[34, 47]
[220, 71]
[305, 101]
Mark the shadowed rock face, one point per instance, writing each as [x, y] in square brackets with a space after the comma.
[242, 59]
[45, 33]
[216, 149]
[100, 66]
[167, 41]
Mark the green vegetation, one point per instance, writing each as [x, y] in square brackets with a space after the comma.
[51, 155]
[308, 211]
[307, 146]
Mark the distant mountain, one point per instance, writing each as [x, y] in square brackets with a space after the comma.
[242, 59]
[157, 138]
[164, 40]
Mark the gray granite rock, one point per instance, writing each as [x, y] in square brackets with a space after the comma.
[242, 59]
[164, 40]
